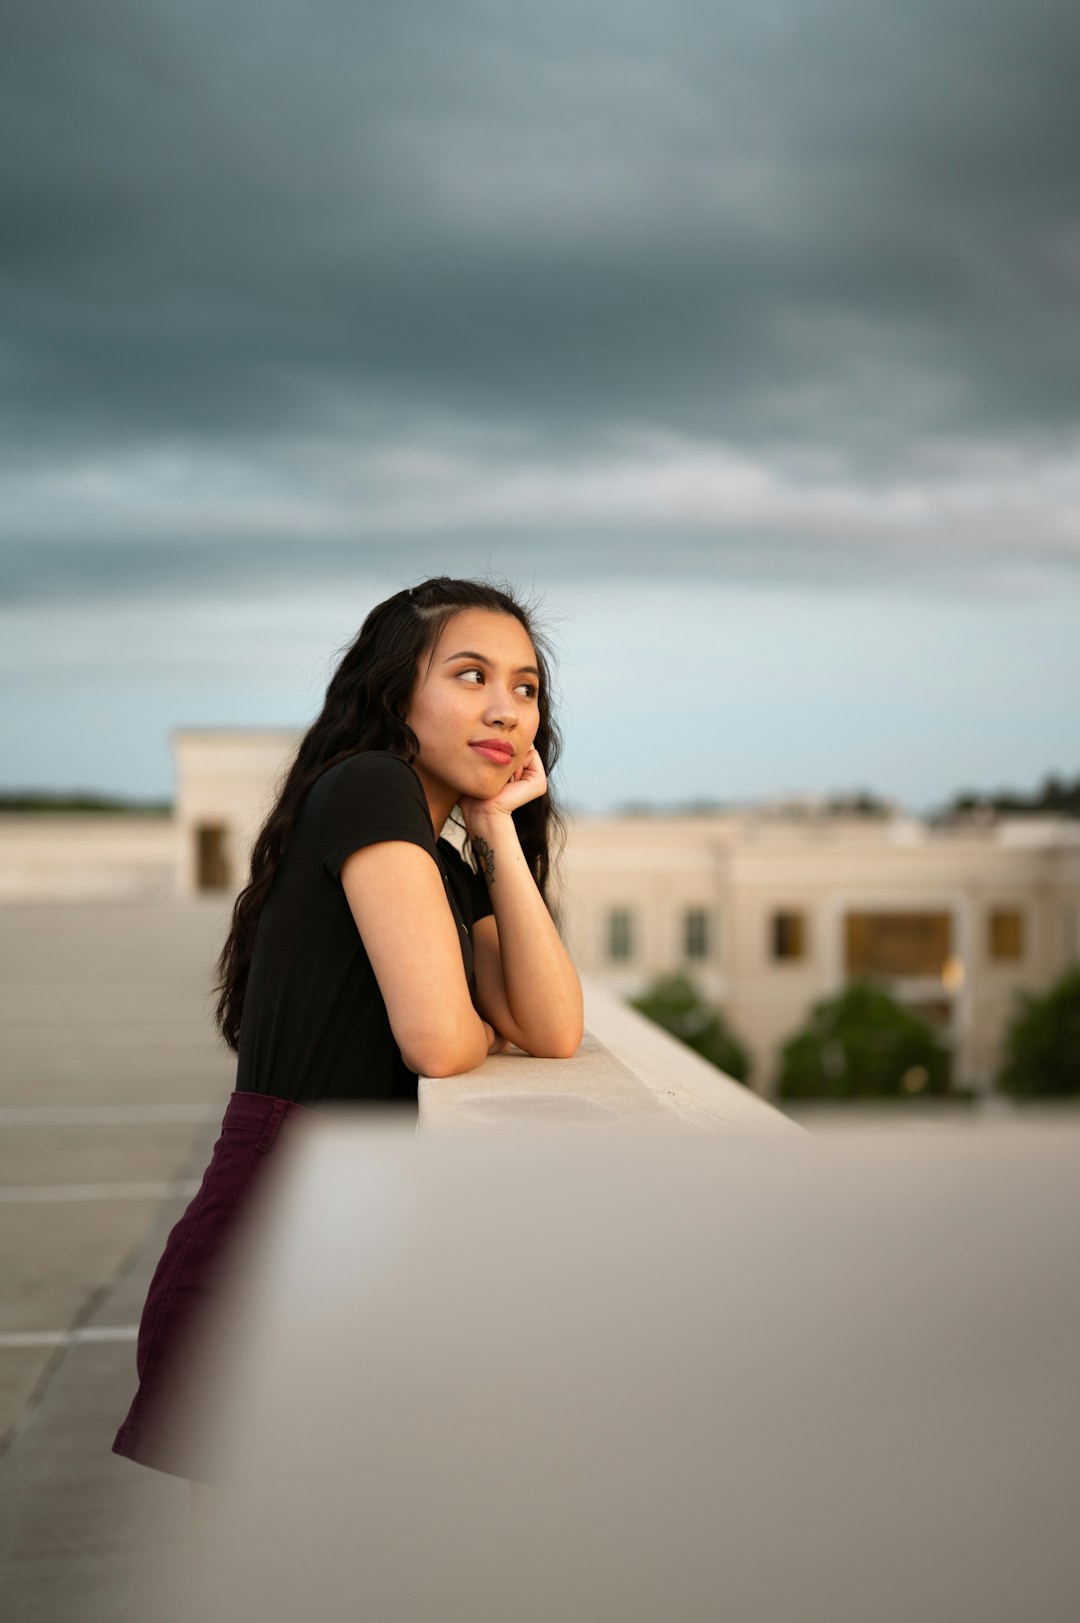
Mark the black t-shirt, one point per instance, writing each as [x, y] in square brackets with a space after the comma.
[315, 1027]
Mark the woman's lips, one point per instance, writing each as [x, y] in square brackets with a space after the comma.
[500, 755]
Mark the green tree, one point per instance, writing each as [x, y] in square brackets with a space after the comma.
[675, 1003]
[863, 1044]
[1042, 1045]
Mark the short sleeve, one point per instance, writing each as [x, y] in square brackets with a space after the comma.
[365, 799]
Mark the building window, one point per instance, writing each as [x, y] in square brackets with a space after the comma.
[788, 936]
[696, 933]
[211, 857]
[620, 934]
[1006, 933]
[916, 944]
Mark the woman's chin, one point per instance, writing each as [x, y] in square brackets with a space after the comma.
[486, 783]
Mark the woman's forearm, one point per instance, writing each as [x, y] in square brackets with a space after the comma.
[542, 986]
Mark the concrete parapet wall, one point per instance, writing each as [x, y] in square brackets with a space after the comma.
[627, 1072]
[86, 857]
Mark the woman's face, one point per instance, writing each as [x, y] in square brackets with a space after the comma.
[481, 690]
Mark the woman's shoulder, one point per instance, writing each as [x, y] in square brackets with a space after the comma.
[364, 798]
[369, 765]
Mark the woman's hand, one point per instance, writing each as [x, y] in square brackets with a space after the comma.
[525, 982]
[497, 1043]
[527, 783]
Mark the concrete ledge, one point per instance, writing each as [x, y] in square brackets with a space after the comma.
[627, 1072]
[87, 857]
[605, 1376]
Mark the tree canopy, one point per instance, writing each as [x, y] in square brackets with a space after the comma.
[77, 800]
[1053, 795]
[675, 1003]
[1042, 1044]
[863, 1044]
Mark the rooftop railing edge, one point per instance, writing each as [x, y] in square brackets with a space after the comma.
[627, 1072]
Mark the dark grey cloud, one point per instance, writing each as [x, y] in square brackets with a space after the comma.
[226, 568]
[832, 229]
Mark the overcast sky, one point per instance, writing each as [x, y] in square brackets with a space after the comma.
[746, 337]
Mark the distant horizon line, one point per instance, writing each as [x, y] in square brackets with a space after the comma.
[862, 802]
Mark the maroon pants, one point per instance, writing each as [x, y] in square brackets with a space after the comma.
[154, 1432]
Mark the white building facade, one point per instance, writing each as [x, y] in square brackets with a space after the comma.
[769, 912]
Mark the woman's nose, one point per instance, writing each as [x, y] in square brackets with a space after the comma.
[500, 708]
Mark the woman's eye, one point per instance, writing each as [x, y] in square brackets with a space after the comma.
[530, 689]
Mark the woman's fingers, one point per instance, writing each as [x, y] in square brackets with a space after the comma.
[527, 783]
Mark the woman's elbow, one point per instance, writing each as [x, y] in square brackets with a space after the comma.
[443, 1058]
[557, 1045]
[570, 1037]
[444, 1065]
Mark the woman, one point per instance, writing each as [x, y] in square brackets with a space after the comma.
[365, 951]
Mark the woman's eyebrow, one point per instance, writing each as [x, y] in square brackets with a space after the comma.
[467, 653]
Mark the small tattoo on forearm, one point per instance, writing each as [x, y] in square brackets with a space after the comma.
[486, 857]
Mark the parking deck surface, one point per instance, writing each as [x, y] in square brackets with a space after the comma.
[112, 1086]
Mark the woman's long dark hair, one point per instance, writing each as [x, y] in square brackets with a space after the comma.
[365, 708]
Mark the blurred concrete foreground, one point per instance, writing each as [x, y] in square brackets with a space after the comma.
[651, 1376]
[608, 1338]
